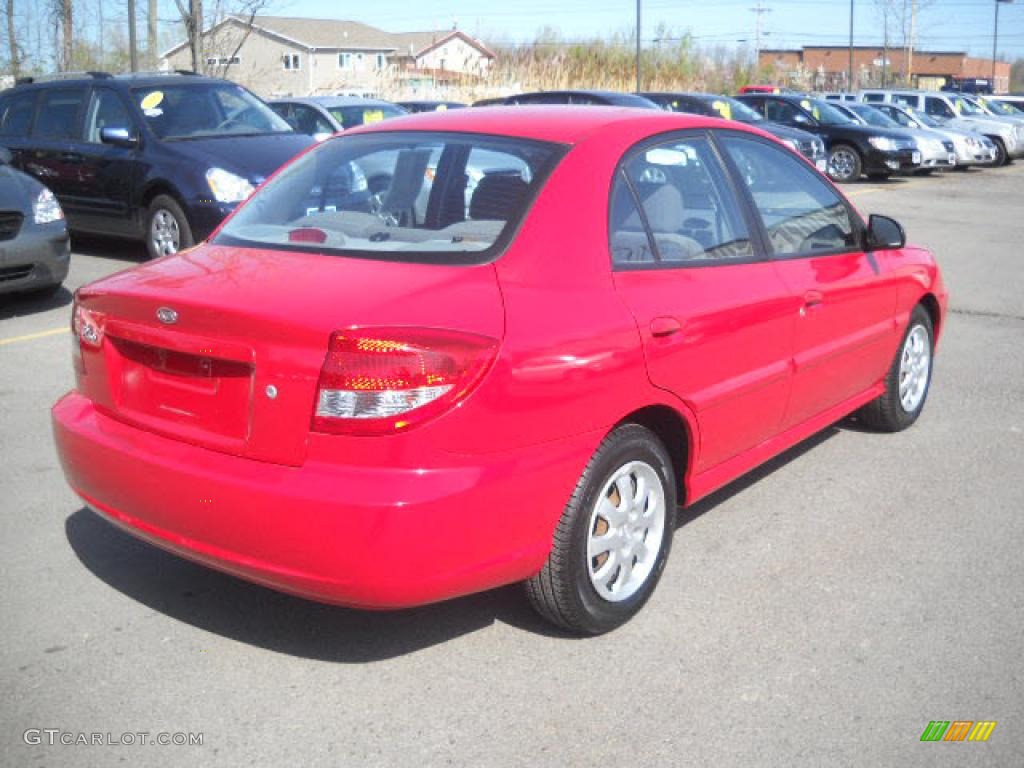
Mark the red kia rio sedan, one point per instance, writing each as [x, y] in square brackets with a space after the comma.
[458, 350]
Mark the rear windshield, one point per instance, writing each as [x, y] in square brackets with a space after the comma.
[398, 196]
[204, 110]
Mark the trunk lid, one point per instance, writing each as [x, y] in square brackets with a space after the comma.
[222, 347]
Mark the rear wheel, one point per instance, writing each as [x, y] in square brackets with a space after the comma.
[167, 229]
[908, 380]
[844, 164]
[613, 538]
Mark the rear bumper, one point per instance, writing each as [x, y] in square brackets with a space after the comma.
[35, 259]
[365, 537]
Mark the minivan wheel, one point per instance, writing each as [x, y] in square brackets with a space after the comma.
[908, 379]
[614, 536]
[167, 229]
[844, 164]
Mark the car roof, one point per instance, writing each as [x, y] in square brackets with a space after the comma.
[127, 80]
[564, 124]
[333, 101]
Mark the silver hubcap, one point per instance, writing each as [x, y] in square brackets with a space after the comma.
[841, 164]
[626, 529]
[164, 233]
[915, 363]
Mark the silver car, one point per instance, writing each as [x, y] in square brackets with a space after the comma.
[937, 152]
[970, 148]
[954, 111]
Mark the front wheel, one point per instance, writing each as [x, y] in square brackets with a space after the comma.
[908, 379]
[613, 538]
[844, 164]
[1001, 158]
[167, 228]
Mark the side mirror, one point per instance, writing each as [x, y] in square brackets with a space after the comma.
[884, 233]
[5, 156]
[801, 119]
[118, 137]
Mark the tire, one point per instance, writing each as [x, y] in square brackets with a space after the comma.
[582, 586]
[906, 389]
[1001, 157]
[844, 164]
[167, 229]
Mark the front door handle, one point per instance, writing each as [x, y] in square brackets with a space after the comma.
[813, 299]
[665, 326]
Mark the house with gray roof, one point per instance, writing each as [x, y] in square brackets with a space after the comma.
[288, 56]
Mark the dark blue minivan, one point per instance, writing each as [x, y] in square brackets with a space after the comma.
[157, 157]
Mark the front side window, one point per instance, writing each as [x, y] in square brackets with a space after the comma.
[937, 107]
[58, 114]
[203, 110]
[448, 198]
[671, 206]
[782, 112]
[16, 114]
[800, 212]
[106, 110]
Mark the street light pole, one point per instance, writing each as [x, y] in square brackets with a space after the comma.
[638, 88]
[995, 42]
[849, 82]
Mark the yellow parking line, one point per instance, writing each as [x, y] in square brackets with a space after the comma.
[33, 336]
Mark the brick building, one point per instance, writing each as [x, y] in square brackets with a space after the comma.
[826, 67]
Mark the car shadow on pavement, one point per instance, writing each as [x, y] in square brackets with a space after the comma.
[255, 615]
[251, 614]
[109, 248]
[19, 304]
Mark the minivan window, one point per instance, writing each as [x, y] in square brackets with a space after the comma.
[58, 114]
[432, 197]
[106, 110]
[16, 114]
[204, 110]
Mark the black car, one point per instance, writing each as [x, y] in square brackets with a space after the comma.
[429, 106]
[590, 98]
[34, 248]
[158, 157]
[713, 105]
[853, 149]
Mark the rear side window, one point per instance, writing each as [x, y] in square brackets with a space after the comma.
[439, 198]
[58, 114]
[16, 114]
[687, 214]
[800, 212]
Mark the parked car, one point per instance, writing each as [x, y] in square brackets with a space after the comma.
[161, 158]
[763, 89]
[842, 96]
[955, 112]
[853, 149]
[1014, 101]
[321, 116]
[384, 413]
[937, 152]
[711, 105]
[429, 106]
[34, 249]
[586, 97]
[995, 108]
[971, 148]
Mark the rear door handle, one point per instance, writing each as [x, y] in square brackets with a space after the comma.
[665, 326]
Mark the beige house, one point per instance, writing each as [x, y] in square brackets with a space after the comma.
[282, 56]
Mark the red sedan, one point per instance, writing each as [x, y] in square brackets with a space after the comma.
[458, 350]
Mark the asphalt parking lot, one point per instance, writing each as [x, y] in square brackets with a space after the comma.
[818, 613]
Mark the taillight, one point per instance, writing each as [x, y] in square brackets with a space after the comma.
[86, 331]
[377, 381]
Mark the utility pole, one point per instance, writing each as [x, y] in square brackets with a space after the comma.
[849, 81]
[995, 43]
[133, 42]
[910, 48]
[638, 88]
[759, 11]
[151, 20]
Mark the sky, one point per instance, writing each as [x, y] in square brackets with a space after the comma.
[948, 25]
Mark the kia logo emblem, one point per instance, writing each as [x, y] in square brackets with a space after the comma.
[167, 316]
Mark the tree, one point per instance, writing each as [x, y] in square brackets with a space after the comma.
[12, 41]
[63, 12]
